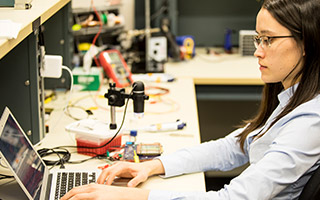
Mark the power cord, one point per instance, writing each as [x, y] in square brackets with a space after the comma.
[65, 109]
[57, 151]
[71, 84]
[64, 157]
[4, 176]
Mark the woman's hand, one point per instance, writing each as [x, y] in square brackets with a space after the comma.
[100, 192]
[139, 172]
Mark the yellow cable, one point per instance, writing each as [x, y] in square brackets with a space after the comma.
[135, 157]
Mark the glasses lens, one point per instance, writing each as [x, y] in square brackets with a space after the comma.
[262, 41]
[265, 41]
[256, 41]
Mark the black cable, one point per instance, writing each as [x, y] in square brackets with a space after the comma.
[4, 176]
[58, 151]
[97, 156]
[67, 155]
[162, 9]
[115, 135]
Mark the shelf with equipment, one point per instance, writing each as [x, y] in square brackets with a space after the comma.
[94, 30]
[98, 24]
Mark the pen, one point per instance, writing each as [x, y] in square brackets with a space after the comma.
[178, 125]
[155, 77]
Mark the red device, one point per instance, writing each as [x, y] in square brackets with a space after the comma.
[115, 67]
[83, 142]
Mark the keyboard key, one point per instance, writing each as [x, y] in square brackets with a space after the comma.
[68, 180]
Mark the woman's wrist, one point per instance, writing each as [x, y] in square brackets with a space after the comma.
[131, 193]
[155, 167]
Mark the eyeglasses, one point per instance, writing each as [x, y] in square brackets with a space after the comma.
[265, 41]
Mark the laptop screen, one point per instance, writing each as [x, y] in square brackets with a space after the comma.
[22, 158]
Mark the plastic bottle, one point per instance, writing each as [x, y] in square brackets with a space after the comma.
[133, 136]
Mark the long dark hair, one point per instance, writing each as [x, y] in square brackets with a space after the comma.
[301, 19]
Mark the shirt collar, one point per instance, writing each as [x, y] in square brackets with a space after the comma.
[285, 95]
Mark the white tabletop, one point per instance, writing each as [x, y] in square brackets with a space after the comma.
[218, 69]
[179, 103]
[42, 9]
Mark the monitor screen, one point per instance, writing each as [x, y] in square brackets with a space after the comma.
[22, 158]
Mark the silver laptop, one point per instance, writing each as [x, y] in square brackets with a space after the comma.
[29, 169]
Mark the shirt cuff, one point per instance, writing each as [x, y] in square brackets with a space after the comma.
[169, 170]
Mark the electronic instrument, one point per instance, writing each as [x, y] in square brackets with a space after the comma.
[115, 67]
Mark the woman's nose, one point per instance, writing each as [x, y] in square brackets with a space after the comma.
[259, 53]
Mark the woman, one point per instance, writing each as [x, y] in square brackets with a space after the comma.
[282, 143]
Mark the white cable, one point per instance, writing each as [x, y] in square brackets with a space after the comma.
[71, 85]
[2, 165]
[69, 97]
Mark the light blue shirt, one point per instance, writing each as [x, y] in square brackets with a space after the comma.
[280, 161]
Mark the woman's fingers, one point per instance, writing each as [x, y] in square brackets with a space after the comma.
[102, 178]
[120, 169]
[83, 196]
[135, 181]
[99, 191]
[106, 172]
[137, 171]
[139, 178]
[110, 179]
[85, 189]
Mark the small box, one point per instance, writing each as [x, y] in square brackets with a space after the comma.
[158, 49]
[94, 133]
[85, 81]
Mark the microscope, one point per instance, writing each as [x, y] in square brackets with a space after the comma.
[116, 98]
[94, 136]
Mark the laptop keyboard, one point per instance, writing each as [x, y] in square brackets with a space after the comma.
[68, 180]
